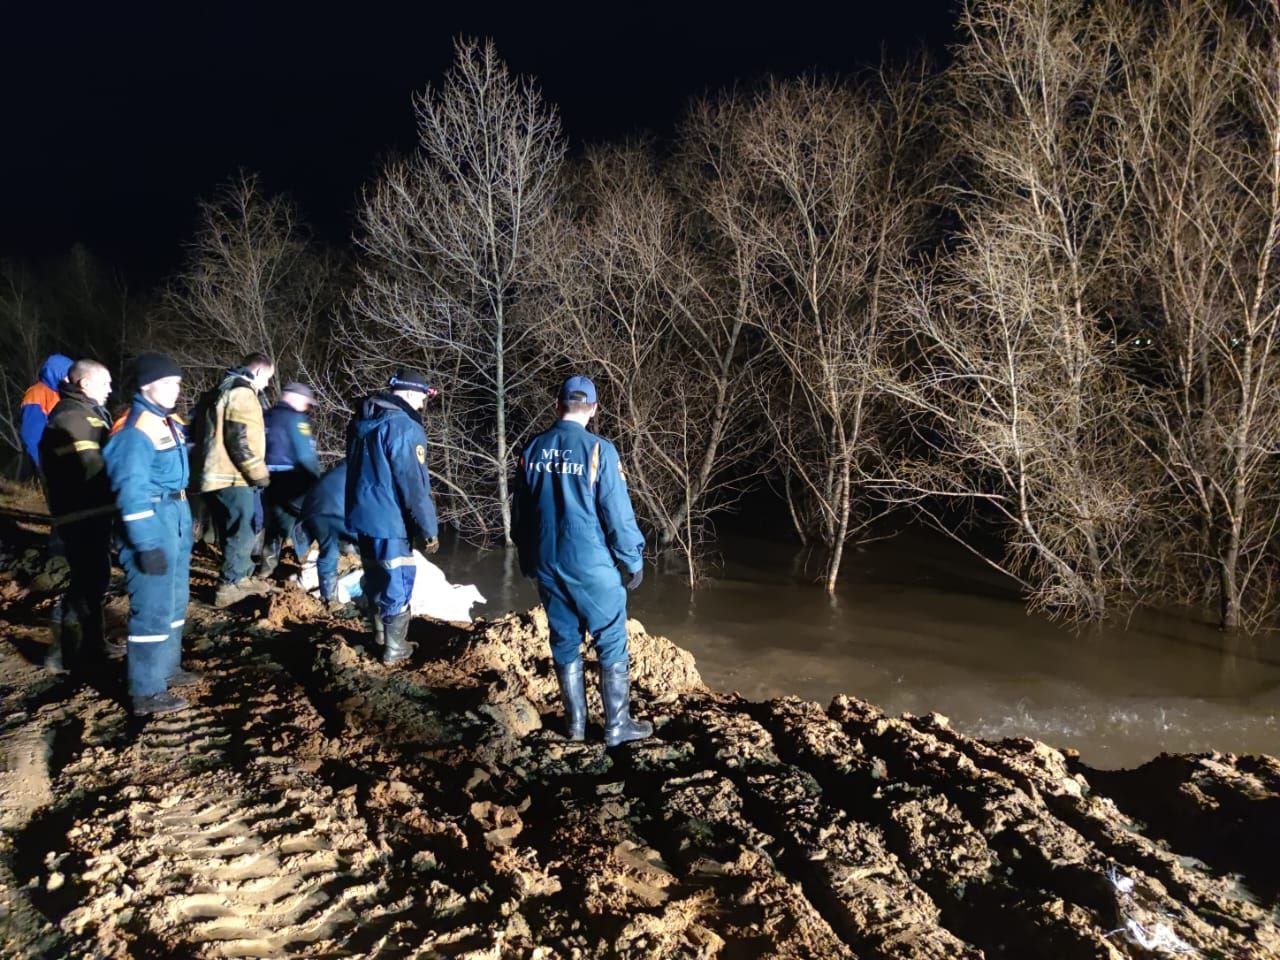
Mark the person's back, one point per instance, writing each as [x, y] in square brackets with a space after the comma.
[328, 496]
[578, 538]
[388, 488]
[324, 519]
[582, 526]
[388, 502]
[294, 467]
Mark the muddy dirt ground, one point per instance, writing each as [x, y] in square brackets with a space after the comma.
[314, 803]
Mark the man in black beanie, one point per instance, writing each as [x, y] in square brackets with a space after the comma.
[146, 463]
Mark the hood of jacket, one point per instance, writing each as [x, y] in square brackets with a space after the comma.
[236, 377]
[55, 370]
[379, 407]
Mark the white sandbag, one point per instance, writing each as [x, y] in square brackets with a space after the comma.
[433, 595]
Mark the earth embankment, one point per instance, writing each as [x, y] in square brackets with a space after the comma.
[314, 803]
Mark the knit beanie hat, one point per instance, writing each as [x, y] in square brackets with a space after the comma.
[150, 367]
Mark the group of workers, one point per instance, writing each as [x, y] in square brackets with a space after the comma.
[131, 482]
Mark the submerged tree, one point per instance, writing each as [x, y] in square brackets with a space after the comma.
[823, 187]
[1200, 105]
[640, 301]
[449, 237]
[1027, 408]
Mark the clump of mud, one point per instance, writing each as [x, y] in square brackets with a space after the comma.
[316, 803]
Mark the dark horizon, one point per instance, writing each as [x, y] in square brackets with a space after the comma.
[121, 123]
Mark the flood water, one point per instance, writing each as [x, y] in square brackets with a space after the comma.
[918, 625]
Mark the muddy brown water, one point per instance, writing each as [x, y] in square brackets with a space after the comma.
[918, 625]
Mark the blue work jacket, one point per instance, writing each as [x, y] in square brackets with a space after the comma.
[290, 443]
[388, 494]
[573, 514]
[328, 497]
[146, 462]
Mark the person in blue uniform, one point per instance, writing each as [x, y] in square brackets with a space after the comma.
[324, 522]
[577, 537]
[294, 467]
[388, 502]
[146, 461]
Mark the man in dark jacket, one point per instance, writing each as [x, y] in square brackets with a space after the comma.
[324, 521]
[294, 468]
[388, 501]
[82, 508]
[232, 445]
[577, 536]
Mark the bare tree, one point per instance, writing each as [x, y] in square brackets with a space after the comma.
[253, 280]
[1200, 104]
[449, 236]
[1027, 405]
[640, 302]
[822, 186]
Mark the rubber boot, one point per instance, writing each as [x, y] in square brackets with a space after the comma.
[573, 694]
[397, 646]
[615, 691]
[72, 650]
[166, 702]
[268, 562]
[329, 594]
[93, 634]
[53, 660]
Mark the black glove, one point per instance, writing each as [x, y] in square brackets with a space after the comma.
[153, 562]
[426, 546]
[633, 580]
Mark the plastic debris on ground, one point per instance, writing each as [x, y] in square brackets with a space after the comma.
[1144, 926]
[433, 595]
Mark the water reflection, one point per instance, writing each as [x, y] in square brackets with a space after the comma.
[918, 625]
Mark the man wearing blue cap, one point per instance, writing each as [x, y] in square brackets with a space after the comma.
[388, 502]
[577, 536]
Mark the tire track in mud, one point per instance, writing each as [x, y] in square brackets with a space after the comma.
[315, 803]
[224, 831]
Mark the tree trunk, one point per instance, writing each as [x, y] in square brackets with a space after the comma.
[504, 500]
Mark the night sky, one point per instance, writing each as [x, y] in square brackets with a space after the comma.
[115, 123]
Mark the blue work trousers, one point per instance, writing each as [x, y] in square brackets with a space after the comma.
[233, 511]
[389, 572]
[575, 609]
[158, 604]
[328, 532]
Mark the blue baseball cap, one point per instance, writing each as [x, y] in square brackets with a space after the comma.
[578, 389]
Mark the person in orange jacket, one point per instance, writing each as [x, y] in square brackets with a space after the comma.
[38, 402]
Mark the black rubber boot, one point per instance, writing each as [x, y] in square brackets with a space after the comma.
[166, 702]
[615, 691]
[184, 677]
[268, 562]
[53, 660]
[573, 694]
[397, 646]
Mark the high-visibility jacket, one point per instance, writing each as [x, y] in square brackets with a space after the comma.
[147, 463]
[71, 454]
